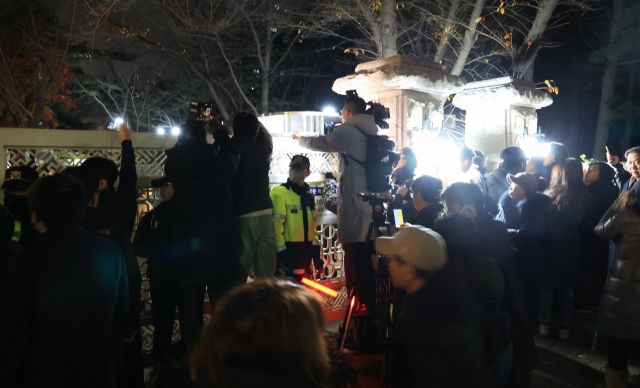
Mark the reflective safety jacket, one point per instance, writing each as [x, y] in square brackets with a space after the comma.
[294, 214]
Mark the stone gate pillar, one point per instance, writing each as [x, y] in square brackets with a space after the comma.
[414, 91]
[497, 113]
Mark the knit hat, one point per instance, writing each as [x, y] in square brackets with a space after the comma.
[416, 245]
[526, 180]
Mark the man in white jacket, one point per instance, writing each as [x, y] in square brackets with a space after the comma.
[354, 215]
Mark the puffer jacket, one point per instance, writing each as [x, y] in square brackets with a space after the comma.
[354, 215]
[620, 305]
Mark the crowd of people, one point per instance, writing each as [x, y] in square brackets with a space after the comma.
[477, 262]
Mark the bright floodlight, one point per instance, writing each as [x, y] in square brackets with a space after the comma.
[118, 120]
[329, 111]
[175, 131]
[160, 131]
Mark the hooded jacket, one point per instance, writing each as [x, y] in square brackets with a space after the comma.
[354, 215]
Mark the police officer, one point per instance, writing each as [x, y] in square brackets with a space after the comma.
[294, 219]
[17, 181]
[153, 239]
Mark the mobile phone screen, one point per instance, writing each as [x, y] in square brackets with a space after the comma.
[112, 126]
[397, 214]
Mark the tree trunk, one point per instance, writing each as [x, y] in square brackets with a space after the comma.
[469, 38]
[266, 69]
[525, 57]
[629, 129]
[608, 86]
[40, 99]
[448, 28]
[388, 28]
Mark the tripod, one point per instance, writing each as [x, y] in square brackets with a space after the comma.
[384, 292]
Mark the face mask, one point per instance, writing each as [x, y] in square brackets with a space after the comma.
[296, 175]
[17, 205]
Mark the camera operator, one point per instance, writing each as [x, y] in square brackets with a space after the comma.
[354, 215]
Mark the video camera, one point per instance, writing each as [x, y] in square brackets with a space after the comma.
[379, 112]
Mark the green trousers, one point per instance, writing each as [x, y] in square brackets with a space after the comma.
[258, 251]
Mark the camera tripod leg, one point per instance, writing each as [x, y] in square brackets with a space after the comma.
[352, 297]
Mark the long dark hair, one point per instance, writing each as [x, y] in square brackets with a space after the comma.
[566, 186]
[410, 157]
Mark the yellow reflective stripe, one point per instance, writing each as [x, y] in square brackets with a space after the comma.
[280, 216]
[280, 249]
[17, 231]
[294, 207]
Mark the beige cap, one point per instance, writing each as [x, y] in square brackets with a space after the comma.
[416, 245]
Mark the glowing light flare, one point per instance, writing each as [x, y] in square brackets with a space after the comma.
[435, 154]
[330, 111]
[320, 287]
[160, 131]
[118, 120]
[175, 131]
[532, 147]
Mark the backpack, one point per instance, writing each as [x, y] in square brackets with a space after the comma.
[378, 163]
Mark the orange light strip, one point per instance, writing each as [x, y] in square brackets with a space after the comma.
[320, 287]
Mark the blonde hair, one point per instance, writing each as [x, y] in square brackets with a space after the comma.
[268, 325]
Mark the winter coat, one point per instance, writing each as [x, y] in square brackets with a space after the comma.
[622, 176]
[600, 197]
[439, 335]
[628, 185]
[153, 240]
[64, 297]
[203, 218]
[563, 260]
[497, 184]
[526, 222]
[96, 225]
[401, 175]
[354, 215]
[427, 216]
[620, 305]
[494, 243]
[250, 184]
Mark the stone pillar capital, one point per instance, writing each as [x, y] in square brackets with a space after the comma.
[501, 93]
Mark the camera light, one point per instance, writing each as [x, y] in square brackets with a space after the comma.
[118, 120]
[329, 111]
[175, 131]
[160, 131]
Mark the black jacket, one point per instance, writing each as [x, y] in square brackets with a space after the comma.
[153, 240]
[96, 225]
[64, 295]
[494, 243]
[439, 335]
[250, 184]
[201, 176]
[497, 185]
[526, 222]
[119, 207]
[427, 216]
[562, 262]
[622, 176]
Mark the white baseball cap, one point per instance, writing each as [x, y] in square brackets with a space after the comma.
[416, 245]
